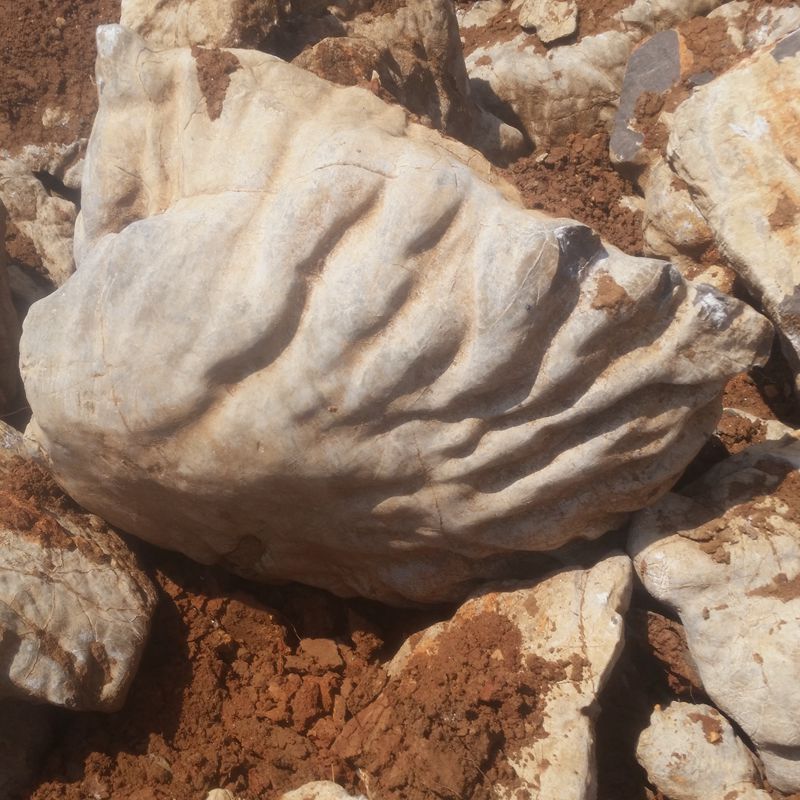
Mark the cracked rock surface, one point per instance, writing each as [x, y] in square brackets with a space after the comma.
[74, 607]
[725, 554]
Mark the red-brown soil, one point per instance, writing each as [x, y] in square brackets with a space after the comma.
[576, 179]
[242, 686]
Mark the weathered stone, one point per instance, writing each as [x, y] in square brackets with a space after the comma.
[691, 752]
[40, 213]
[552, 19]
[207, 23]
[74, 607]
[740, 160]
[725, 554]
[560, 637]
[321, 790]
[251, 381]
[575, 87]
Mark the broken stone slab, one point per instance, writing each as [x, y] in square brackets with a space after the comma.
[573, 87]
[519, 665]
[739, 159]
[400, 422]
[39, 187]
[725, 554]
[321, 790]
[691, 752]
[75, 608]
[552, 20]
[416, 53]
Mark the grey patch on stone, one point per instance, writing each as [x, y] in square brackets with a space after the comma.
[653, 67]
[701, 78]
[788, 47]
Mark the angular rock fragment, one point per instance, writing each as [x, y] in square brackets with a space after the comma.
[39, 189]
[501, 699]
[691, 752]
[725, 554]
[342, 353]
[573, 87]
[74, 607]
[552, 19]
[740, 160]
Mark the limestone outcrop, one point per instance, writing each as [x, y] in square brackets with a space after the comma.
[75, 608]
[250, 380]
[725, 554]
[691, 752]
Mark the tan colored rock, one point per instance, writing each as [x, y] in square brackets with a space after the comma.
[74, 607]
[46, 217]
[573, 87]
[207, 23]
[321, 790]
[691, 752]
[251, 380]
[725, 554]
[415, 51]
[519, 663]
[740, 160]
[552, 19]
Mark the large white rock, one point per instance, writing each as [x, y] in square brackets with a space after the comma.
[338, 353]
[691, 752]
[725, 554]
[553, 642]
[74, 607]
[740, 160]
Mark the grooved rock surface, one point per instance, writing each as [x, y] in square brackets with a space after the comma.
[250, 380]
[691, 752]
[725, 554]
[74, 607]
[740, 160]
[500, 700]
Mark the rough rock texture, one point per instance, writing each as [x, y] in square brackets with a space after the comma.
[207, 23]
[575, 87]
[321, 790]
[10, 384]
[74, 607]
[691, 752]
[552, 19]
[500, 700]
[726, 555]
[415, 51]
[25, 733]
[740, 160]
[39, 188]
[270, 419]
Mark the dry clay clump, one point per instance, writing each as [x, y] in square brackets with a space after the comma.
[397, 421]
